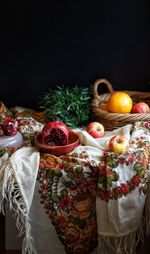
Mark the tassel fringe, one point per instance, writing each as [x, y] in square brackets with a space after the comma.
[12, 199]
[121, 245]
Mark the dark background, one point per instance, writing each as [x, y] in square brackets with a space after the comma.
[49, 43]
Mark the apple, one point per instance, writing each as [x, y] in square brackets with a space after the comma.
[95, 129]
[118, 144]
[140, 107]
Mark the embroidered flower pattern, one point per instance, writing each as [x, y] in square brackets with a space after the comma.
[68, 193]
[27, 125]
[109, 186]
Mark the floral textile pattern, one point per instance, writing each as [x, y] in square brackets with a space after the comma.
[29, 122]
[68, 193]
[70, 184]
[134, 163]
[109, 184]
[141, 125]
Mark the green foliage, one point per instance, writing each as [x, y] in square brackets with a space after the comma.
[71, 105]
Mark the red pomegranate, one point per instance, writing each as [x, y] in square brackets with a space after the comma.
[55, 133]
[9, 128]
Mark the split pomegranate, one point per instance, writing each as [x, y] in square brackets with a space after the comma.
[9, 128]
[55, 133]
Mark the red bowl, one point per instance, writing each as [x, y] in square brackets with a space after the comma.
[57, 150]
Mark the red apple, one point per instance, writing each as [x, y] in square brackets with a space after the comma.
[95, 129]
[140, 107]
[118, 144]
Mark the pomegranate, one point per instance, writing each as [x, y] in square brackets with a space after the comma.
[55, 133]
[9, 128]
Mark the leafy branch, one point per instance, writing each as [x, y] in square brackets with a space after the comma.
[71, 105]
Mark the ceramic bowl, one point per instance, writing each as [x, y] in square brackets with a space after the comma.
[57, 150]
[11, 141]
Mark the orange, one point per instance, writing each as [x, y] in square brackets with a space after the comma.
[119, 102]
[103, 106]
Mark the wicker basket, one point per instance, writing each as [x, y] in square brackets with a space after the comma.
[112, 121]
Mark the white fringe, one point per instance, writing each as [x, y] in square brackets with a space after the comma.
[121, 245]
[12, 199]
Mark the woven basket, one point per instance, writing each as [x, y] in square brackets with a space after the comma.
[112, 121]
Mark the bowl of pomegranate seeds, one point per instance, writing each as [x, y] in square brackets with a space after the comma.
[9, 135]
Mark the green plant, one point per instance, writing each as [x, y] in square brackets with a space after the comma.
[71, 105]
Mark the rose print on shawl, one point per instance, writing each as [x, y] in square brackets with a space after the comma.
[29, 121]
[109, 186]
[68, 193]
[136, 161]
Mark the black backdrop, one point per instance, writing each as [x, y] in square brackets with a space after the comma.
[49, 43]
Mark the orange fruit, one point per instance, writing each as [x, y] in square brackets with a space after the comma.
[119, 102]
[103, 106]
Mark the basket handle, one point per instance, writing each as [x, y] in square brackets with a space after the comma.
[101, 81]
